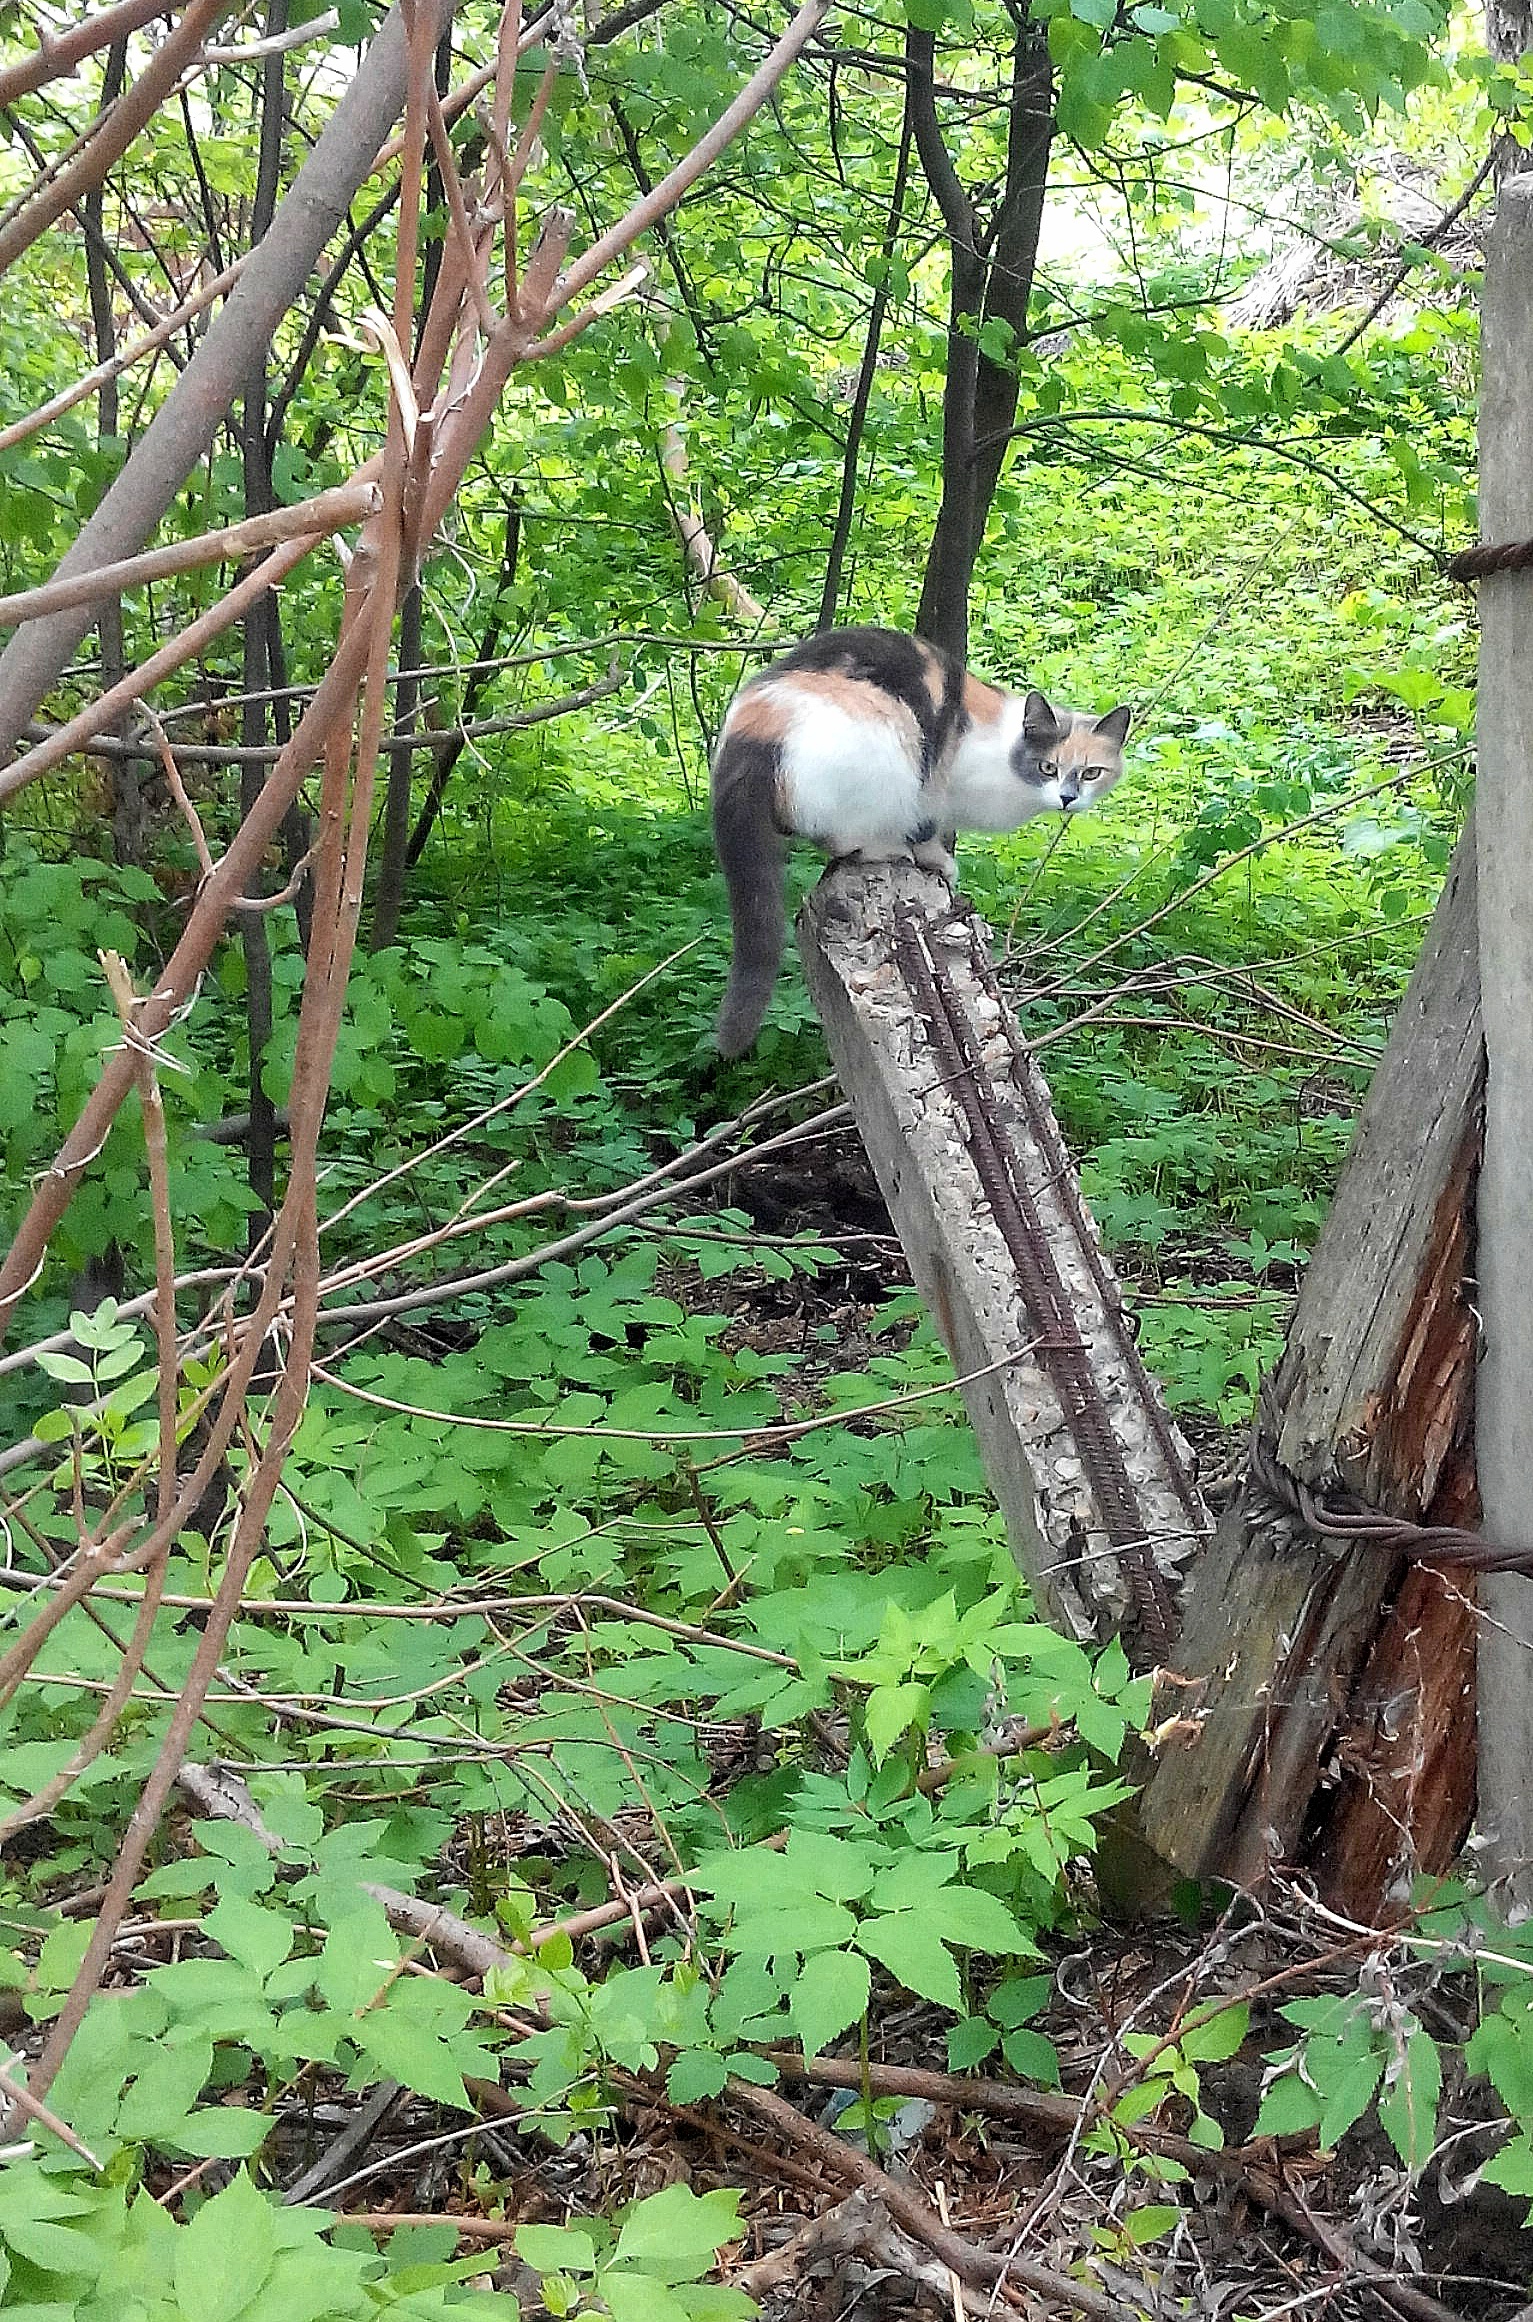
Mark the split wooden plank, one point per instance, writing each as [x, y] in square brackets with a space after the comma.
[915, 1110]
[1324, 1706]
[1504, 736]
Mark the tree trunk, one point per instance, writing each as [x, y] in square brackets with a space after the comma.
[261, 1142]
[991, 281]
[1322, 1690]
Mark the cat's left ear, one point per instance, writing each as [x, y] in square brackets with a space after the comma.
[1114, 727]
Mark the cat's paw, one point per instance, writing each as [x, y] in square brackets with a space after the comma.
[934, 856]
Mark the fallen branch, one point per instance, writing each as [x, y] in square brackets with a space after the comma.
[980, 2269]
[859, 2226]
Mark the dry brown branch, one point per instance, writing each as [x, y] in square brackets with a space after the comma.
[313, 519]
[135, 1653]
[33, 2109]
[1006, 2276]
[295, 1252]
[182, 430]
[63, 741]
[178, 792]
[859, 2226]
[113, 131]
[58, 54]
[428, 447]
[434, 739]
[91, 382]
[698, 544]
[1055, 2115]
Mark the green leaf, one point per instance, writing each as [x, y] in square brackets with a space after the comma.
[225, 2253]
[1409, 2098]
[830, 1994]
[172, 2078]
[1032, 2057]
[640, 2298]
[259, 1939]
[696, 2074]
[1217, 2040]
[224, 2132]
[1512, 2167]
[678, 2231]
[1349, 2097]
[891, 1711]
[970, 2042]
[975, 1918]
[556, 2249]
[1288, 2108]
[907, 1947]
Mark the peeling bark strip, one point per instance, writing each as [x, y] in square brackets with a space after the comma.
[1092, 1478]
[1327, 1709]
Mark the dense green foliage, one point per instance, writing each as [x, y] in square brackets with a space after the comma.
[543, 1601]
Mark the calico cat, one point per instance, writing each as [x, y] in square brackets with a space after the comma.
[877, 744]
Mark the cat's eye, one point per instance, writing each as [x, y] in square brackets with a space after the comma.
[1048, 767]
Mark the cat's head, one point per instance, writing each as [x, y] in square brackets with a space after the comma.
[1072, 759]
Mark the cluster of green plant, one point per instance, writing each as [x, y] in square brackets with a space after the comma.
[1235, 530]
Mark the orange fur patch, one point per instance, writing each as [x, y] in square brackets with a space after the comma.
[759, 713]
[936, 675]
[981, 701]
[1081, 746]
[856, 699]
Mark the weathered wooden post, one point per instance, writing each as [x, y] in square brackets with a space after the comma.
[1325, 1694]
[1504, 813]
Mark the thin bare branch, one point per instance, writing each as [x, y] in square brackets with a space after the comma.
[313, 520]
[114, 131]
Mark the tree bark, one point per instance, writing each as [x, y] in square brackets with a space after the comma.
[841, 530]
[1504, 815]
[991, 281]
[1321, 1689]
[261, 1142]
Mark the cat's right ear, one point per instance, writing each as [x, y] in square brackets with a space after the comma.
[1114, 726]
[1040, 719]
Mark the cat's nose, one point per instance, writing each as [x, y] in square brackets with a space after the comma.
[1069, 792]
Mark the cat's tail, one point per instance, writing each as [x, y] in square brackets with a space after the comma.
[752, 854]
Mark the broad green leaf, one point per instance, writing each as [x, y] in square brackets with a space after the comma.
[556, 2249]
[258, 1938]
[225, 2253]
[905, 1945]
[1217, 2040]
[830, 1994]
[1409, 2098]
[678, 2231]
[696, 2074]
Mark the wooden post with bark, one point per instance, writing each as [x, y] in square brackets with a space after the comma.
[1504, 812]
[1318, 1707]
[1323, 1689]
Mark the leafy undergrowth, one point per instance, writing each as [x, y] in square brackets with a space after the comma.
[640, 1606]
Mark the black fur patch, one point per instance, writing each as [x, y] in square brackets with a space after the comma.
[922, 835]
[897, 665]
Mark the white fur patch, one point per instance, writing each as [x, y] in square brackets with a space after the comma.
[852, 783]
[985, 792]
